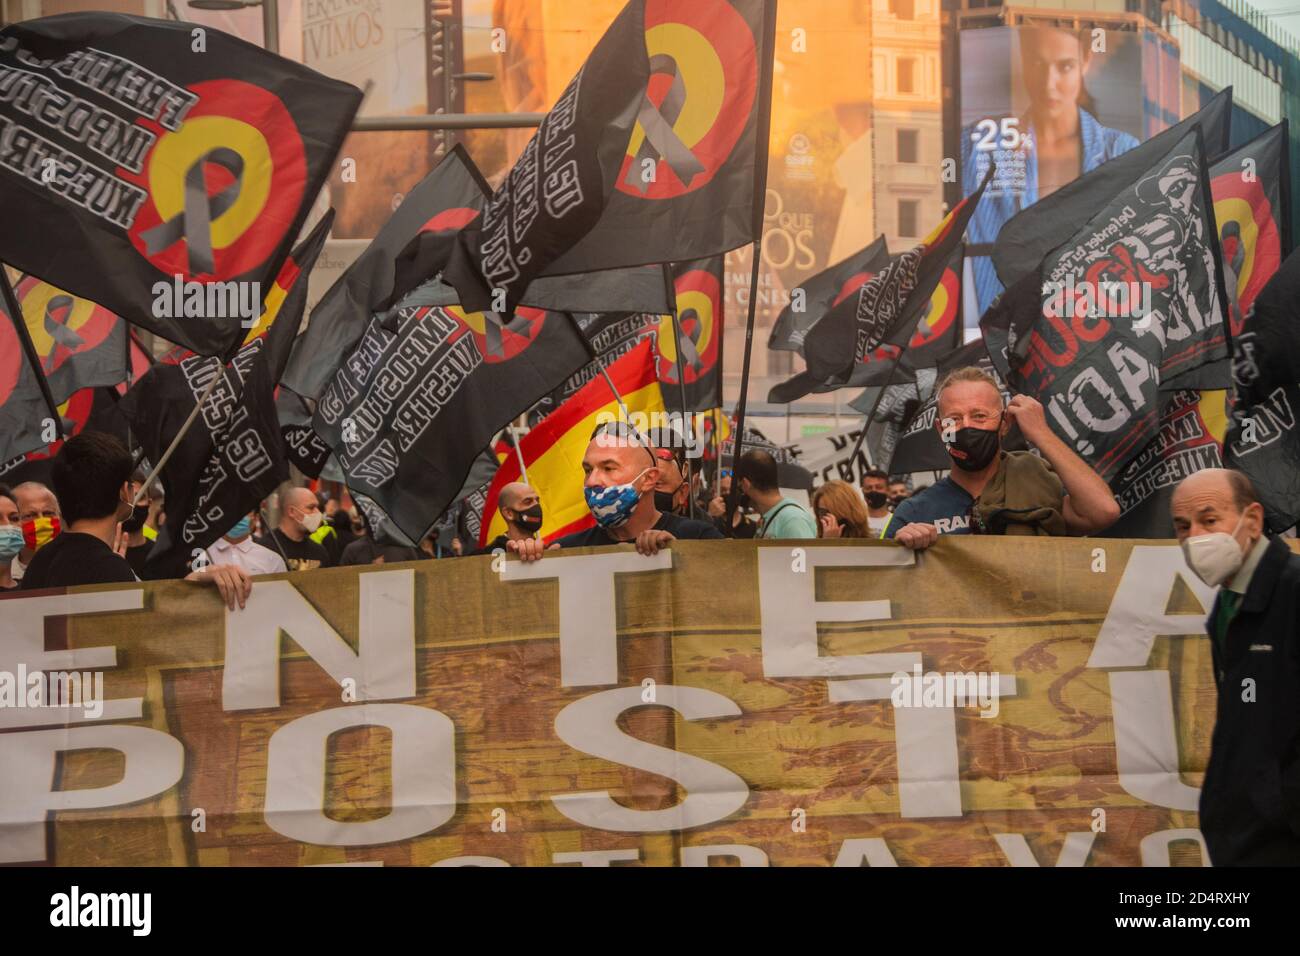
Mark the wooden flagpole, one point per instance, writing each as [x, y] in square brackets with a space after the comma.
[185, 427]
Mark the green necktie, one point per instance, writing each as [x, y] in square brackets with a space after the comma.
[1229, 601]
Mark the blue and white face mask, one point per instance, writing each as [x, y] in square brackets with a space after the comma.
[613, 506]
[11, 542]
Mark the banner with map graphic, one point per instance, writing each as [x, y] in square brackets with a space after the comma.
[135, 153]
[725, 702]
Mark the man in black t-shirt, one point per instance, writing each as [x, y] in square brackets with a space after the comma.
[91, 477]
[622, 472]
[300, 516]
[520, 506]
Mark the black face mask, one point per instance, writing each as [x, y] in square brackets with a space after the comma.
[876, 499]
[665, 501]
[971, 449]
[134, 523]
[530, 519]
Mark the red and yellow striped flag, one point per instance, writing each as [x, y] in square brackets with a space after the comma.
[553, 450]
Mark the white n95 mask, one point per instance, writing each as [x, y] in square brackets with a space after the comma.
[1214, 557]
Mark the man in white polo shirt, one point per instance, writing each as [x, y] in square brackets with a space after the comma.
[238, 547]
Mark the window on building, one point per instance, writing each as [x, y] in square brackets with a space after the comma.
[906, 74]
[908, 216]
[903, 9]
[909, 146]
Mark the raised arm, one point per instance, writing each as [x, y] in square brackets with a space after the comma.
[1089, 505]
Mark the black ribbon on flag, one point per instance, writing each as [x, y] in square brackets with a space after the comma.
[194, 222]
[660, 137]
[59, 331]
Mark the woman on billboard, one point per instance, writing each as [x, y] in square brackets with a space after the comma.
[1057, 139]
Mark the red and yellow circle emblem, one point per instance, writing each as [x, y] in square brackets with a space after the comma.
[699, 310]
[499, 341]
[225, 187]
[1248, 235]
[703, 84]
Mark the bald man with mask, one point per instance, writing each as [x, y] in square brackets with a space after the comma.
[621, 472]
[34, 500]
[300, 516]
[520, 506]
[1250, 798]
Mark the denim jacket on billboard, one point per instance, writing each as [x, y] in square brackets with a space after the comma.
[1100, 143]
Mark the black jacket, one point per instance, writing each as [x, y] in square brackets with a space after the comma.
[1250, 800]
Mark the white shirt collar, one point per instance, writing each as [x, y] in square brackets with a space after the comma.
[1241, 580]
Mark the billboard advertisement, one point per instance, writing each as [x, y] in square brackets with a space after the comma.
[1047, 104]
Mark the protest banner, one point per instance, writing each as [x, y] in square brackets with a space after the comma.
[1027, 702]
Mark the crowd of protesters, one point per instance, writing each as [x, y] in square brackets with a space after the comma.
[88, 529]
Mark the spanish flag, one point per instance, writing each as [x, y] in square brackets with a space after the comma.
[553, 450]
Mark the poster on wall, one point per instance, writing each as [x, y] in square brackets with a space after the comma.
[379, 46]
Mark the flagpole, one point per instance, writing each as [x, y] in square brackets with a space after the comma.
[738, 442]
[29, 347]
[627, 417]
[514, 441]
[185, 427]
[876, 404]
[670, 286]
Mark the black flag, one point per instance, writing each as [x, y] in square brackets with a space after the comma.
[886, 309]
[655, 152]
[1264, 441]
[813, 298]
[78, 345]
[938, 333]
[426, 224]
[411, 408]
[233, 456]
[138, 172]
[1251, 193]
[1036, 230]
[441, 204]
[1133, 305]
